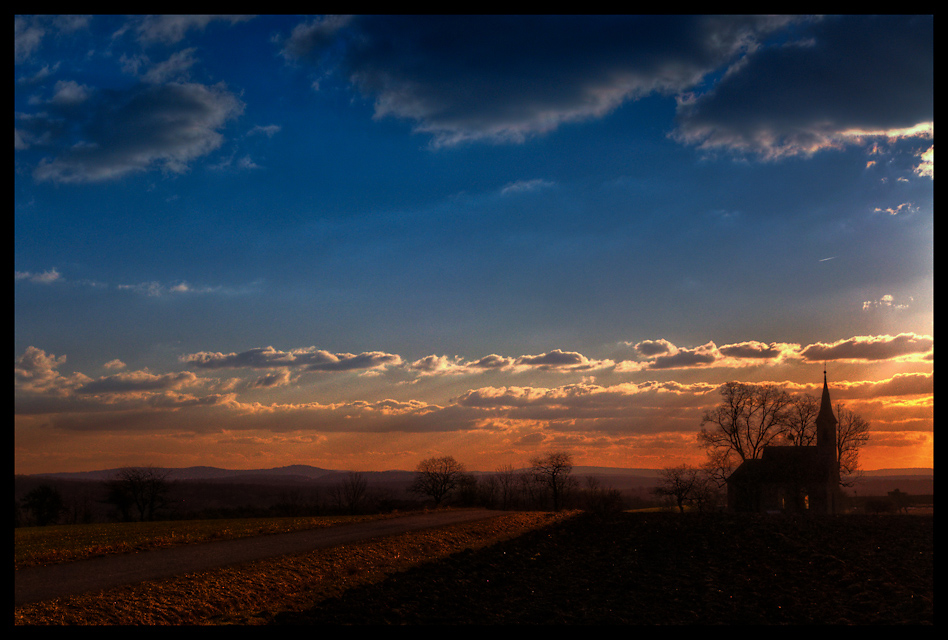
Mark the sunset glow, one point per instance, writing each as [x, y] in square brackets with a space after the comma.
[358, 242]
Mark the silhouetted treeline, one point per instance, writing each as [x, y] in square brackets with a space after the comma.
[40, 501]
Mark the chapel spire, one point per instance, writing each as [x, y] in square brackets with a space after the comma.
[826, 406]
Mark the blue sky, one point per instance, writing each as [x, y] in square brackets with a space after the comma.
[358, 241]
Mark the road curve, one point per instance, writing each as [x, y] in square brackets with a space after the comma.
[35, 584]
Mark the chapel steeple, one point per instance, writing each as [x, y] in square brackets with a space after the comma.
[826, 407]
[826, 427]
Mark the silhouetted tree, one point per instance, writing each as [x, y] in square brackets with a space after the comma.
[683, 484]
[800, 420]
[470, 492]
[350, 492]
[852, 432]
[506, 485]
[489, 491]
[139, 492]
[749, 418]
[552, 471]
[45, 504]
[598, 499]
[437, 478]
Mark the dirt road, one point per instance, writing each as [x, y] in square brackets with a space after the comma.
[35, 584]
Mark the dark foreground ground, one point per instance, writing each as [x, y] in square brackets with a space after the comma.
[666, 569]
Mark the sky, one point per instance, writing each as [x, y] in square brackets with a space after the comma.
[357, 242]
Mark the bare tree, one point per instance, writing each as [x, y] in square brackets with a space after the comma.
[507, 485]
[719, 466]
[800, 426]
[852, 432]
[529, 490]
[688, 486]
[349, 493]
[749, 418]
[45, 503]
[600, 499]
[553, 472]
[680, 484]
[143, 490]
[437, 478]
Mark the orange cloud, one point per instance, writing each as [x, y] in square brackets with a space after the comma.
[869, 348]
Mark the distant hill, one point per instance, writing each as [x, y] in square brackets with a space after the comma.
[205, 473]
[307, 472]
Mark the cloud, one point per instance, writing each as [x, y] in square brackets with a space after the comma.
[435, 365]
[28, 34]
[37, 372]
[112, 133]
[270, 380]
[839, 81]
[142, 402]
[137, 382]
[40, 389]
[887, 301]
[555, 360]
[559, 360]
[522, 186]
[927, 165]
[902, 209]
[759, 350]
[269, 130]
[649, 348]
[662, 354]
[174, 68]
[68, 93]
[871, 348]
[307, 359]
[158, 289]
[491, 362]
[46, 277]
[505, 78]
[899, 385]
[171, 29]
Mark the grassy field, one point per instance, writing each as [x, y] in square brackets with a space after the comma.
[67, 543]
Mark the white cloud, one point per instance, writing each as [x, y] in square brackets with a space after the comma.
[886, 301]
[901, 209]
[927, 165]
[45, 277]
[269, 130]
[171, 29]
[521, 186]
[28, 33]
[174, 68]
[69, 92]
[158, 289]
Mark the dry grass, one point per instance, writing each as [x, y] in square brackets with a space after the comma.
[254, 593]
[67, 543]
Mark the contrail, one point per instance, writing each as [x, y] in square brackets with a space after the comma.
[825, 259]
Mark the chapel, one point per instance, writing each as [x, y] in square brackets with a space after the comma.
[792, 479]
